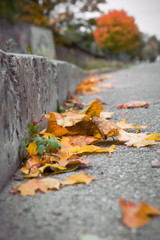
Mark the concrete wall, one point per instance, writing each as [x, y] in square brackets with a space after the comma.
[24, 35]
[28, 84]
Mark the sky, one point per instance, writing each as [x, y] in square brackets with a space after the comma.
[145, 12]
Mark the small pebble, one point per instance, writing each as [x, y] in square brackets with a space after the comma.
[155, 164]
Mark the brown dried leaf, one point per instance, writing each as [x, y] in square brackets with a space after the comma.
[134, 104]
[105, 127]
[82, 140]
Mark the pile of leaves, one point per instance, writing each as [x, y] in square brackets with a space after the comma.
[72, 134]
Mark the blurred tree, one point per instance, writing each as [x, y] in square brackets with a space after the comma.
[32, 11]
[117, 32]
[72, 13]
[35, 11]
[9, 8]
[57, 13]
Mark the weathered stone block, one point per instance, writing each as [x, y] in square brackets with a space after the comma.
[28, 84]
[39, 39]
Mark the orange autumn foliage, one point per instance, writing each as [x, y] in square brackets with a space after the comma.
[136, 216]
[117, 32]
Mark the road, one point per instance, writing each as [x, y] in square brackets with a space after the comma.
[94, 209]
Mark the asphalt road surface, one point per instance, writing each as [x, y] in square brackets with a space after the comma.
[94, 209]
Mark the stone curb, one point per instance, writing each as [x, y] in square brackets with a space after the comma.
[28, 84]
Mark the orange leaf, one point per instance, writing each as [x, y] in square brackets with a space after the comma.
[32, 186]
[53, 127]
[134, 104]
[94, 91]
[79, 178]
[135, 216]
[51, 183]
[29, 188]
[98, 101]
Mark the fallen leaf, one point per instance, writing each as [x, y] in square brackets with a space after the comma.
[31, 165]
[124, 125]
[98, 101]
[71, 98]
[90, 149]
[57, 115]
[94, 91]
[105, 77]
[93, 110]
[85, 127]
[32, 186]
[111, 149]
[52, 167]
[51, 183]
[105, 127]
[106, 85]
[136, 216]
[70, 120]
[70, 112]
[78, 178]
[32, 148]
[134, 104]
[106, 114]
[53, 127]
[137, 139]
[82, 140]
[47, 135]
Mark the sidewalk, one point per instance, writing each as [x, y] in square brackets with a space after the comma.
[94, 209]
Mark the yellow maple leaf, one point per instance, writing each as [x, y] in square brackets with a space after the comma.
[29, 188]
[79, 178]
[94, 109]
[32, 186]
[124, 125]
[137, 139]
[88, 149]
[32, 148]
